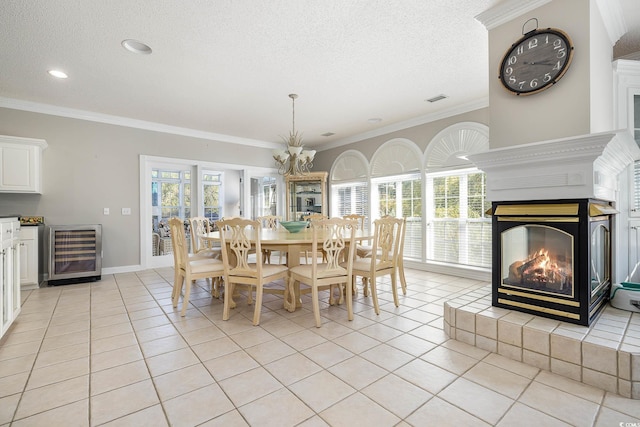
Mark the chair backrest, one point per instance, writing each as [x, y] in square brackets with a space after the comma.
[386, 241]
[359, 219]
[335, 239]
[240, 236]
[271, 222]
[199, 225]
[179, 243]
[314, 217]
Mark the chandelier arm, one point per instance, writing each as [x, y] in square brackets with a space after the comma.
[294, 160]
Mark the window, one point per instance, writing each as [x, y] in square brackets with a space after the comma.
[170, 195]
[211, 188]
[263, 196]
[458, 230]
[401, 197]
[636, 166]
[351, 198]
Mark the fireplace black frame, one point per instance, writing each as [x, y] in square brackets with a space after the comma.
[578, 217]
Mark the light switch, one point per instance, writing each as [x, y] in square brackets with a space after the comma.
[105, 211]
[126, 211]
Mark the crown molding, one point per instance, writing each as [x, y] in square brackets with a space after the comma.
[53, 110]
[610, 11]
[421, 120]
[506, 11]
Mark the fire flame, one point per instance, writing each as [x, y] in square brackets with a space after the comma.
[541, 271]
[541, 267]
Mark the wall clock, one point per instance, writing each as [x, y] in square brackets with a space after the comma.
[536, 61]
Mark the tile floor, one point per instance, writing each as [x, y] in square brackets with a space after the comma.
[116, 353]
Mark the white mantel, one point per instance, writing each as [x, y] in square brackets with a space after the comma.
[578, 167]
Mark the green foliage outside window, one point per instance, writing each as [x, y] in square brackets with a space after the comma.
[477, 202]
[387, 194]
[446, 197]
[412, 199]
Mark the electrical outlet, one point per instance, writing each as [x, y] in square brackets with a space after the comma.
[126, 211]
[105, 211]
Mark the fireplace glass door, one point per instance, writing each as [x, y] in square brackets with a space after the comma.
[600, 263]
[538, 258]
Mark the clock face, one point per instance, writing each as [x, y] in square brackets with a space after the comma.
[536, 61]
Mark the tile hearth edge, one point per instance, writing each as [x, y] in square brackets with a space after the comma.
[605, 355]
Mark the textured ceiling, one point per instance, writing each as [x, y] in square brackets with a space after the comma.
[226, 66]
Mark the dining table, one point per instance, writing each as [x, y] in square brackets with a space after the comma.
[293, 244]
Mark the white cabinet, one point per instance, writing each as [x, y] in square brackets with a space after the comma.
[21, 164]
[10, 272]
[29, 257]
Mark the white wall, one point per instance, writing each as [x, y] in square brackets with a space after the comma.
[89, 166]
[560, 111]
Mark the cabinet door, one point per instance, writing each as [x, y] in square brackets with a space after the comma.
[15, 304]
[28, 256]
[5, 266]
[18, 168]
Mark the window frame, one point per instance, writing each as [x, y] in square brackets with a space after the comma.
[463, 221]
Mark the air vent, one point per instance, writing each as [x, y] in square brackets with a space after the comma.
[437, 98]
[328, 134]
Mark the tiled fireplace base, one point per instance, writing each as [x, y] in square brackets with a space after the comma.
[605, 355]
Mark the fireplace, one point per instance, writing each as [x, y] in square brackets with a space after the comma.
[556, 249]
[552, 258]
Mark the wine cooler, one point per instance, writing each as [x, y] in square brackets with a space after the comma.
[75, 253]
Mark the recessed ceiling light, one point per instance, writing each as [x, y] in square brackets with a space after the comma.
[374, 120]
[136, 47]
[437, 98]
[58, 74]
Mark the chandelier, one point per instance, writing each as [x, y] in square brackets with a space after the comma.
[294, 160]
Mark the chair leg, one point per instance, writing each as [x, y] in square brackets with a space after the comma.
[258, 308]
[228, 295]
[394, 289]
[403, 280]
[215, 287]
[249, 296]
[177, 289]
[365, 286]
[185, 299]
[332, 300]
[316, 305]
[374, 294]
[349, 297]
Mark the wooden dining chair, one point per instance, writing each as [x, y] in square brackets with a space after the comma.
[200, 225]
[188, 268]
[240, 237]
[335, 239]
[383, 259]
[311, 218]
[270, 222]
[201, 248]
[362, 249]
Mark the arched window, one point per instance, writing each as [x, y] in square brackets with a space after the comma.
[396, 184]
[458, 230]
[350, 185]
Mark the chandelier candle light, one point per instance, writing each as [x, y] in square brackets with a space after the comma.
[294, 160]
